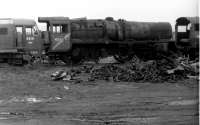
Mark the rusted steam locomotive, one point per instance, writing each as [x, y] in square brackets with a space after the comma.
[81, 38]
[76, 39]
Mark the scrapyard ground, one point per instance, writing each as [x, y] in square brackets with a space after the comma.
[29, 97]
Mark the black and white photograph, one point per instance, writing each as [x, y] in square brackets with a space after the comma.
[99, 62]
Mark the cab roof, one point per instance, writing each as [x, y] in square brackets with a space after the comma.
[187, 20]
[18, 22]
[53, 19]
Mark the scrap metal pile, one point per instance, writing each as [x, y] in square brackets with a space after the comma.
[135, 71]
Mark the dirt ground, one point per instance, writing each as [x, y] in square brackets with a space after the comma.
[28, 96]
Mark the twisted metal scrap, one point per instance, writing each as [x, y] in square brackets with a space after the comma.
[150, 71]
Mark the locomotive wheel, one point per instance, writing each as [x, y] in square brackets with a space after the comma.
[123, 56]
[52, 59]
[76, 55]
[103, 52]
[65, 59]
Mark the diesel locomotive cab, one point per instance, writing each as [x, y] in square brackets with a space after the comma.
[19, 39]
[28, 36]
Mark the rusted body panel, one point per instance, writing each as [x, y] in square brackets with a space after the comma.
[147, 31]
[84, 29]
[119, 30]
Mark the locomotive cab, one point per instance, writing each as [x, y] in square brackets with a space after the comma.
[187, 35]
[28, 36]
[187, 31]
[57, 35]
[19, 38]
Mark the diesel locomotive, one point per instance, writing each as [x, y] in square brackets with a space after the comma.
[19, 38]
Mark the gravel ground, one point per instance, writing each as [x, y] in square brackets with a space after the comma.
[28, 96]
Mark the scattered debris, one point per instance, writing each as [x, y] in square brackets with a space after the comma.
[66, 77]
[8, 115]
[28, 99]
[195, 67]
[183, 102]
[193, 77]
[165, 69]
[171, 71]
[89, 62]
[107, 60]
[58, 98]
[58, 75]
[5, 113]
[66, 87]
[33, 100]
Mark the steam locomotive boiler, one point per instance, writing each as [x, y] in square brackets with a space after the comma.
[81, 38]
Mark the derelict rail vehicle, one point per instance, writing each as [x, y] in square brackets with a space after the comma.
[81, 38]
[76, 39]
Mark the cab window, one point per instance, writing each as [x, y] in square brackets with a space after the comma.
[182, 28]
[3, 31]
[35, 30]
[19, 29]
[58, 29]
[196, 27]
[29, 31]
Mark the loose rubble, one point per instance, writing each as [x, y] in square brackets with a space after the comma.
[134, 71]
[107, 60]
[28, 99]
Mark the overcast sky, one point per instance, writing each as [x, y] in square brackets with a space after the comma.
[133, 10]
